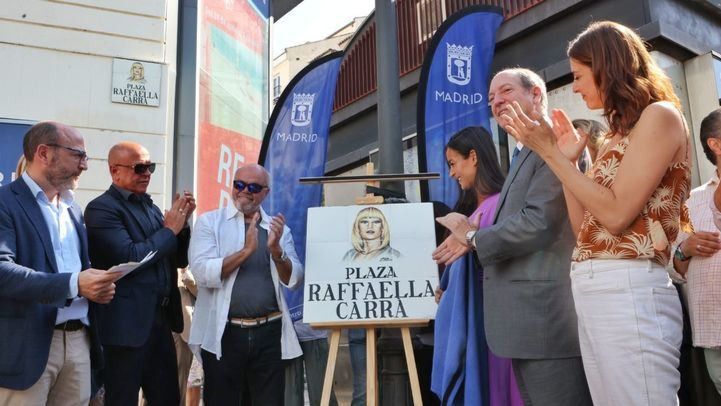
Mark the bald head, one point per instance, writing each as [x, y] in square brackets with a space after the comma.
[130, 166]
[246, 201]
[120, 152]
[253, 169]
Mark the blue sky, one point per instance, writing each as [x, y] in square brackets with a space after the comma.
[312, 20]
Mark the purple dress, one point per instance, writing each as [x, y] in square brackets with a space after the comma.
[502, 386]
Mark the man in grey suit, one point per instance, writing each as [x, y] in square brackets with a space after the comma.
[528, 308]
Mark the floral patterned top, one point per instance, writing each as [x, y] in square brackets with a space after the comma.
[650, 234]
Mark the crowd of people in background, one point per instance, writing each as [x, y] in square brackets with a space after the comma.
[563, 282]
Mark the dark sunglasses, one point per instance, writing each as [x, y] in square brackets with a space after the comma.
[252, 187]
[140, 168]
[78, 153]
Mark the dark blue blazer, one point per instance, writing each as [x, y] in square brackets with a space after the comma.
[120, 231]
[31, 288]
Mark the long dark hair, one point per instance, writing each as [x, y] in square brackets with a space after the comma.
[489, 177]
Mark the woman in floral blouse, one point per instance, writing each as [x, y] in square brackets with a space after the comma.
[624, 212]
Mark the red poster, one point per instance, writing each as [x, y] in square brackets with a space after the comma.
[232, 95]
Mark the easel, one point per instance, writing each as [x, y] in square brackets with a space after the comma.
[370, 327]
[371, 364]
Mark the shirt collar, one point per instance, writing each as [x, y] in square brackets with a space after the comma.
[714, 178]
[232, 212]
[66, 197]
[124, 192]
[519, 146]
[127, 195]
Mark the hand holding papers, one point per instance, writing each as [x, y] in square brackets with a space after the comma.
[128, 267]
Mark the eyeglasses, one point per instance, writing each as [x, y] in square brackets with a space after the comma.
[78, 153]
[252, 187]
[140, 168]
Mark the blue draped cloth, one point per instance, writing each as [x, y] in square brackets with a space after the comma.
[460, 357]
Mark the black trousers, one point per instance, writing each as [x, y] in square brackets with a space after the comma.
[152, 367]
[251, 362]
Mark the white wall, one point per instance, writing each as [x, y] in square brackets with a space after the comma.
[564, 98]
[704, 99]
[57, 65]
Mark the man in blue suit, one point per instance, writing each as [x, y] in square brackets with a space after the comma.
[135, 329]
[48, 334]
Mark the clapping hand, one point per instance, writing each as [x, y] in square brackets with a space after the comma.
[190, 199]
[251, 233]
[570, 141]
[541, 136]
[176, 217]
[275, 232]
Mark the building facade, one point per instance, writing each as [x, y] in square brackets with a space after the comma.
[72, 61]
[58, 63]
[293, 59]
[683, 35]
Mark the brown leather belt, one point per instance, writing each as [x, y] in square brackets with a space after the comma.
[70, 325]
[259, 321]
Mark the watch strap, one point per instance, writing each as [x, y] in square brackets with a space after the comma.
[678, 254]
[470, 235]
[283, 256]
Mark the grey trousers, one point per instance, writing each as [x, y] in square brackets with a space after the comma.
[314, 358]
[552, 382]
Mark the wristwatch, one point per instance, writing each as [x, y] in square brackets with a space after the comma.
[283, 257]
[469, 237]
[678, 254]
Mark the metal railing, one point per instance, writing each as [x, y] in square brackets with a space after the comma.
[417, 21]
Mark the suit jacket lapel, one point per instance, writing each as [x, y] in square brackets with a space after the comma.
[31, 208]
[520, 159]
[82, 235]
[156, 214]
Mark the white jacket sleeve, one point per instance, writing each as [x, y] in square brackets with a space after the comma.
[297, 273]
[206, 263]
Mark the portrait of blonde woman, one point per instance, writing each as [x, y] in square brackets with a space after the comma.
[371, 238]
[137, 73]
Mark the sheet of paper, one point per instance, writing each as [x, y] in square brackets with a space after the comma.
[128, 267]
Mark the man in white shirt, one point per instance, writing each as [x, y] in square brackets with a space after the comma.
[240, 256]
[696, 256]
[48, 334]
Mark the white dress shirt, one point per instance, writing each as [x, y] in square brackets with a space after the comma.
[703, 277]
[66, 247]
[216, 235]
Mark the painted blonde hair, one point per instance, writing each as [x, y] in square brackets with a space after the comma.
[357, 240]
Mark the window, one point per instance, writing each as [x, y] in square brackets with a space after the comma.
[276, 87]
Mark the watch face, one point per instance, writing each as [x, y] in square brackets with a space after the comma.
[678, 254]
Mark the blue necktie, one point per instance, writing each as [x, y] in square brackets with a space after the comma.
[516, 151]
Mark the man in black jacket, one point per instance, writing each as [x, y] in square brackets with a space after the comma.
[123, 226]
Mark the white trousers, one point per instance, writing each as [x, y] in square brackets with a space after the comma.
[630, 329]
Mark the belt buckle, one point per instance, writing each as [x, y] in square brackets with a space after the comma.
[70, 326]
